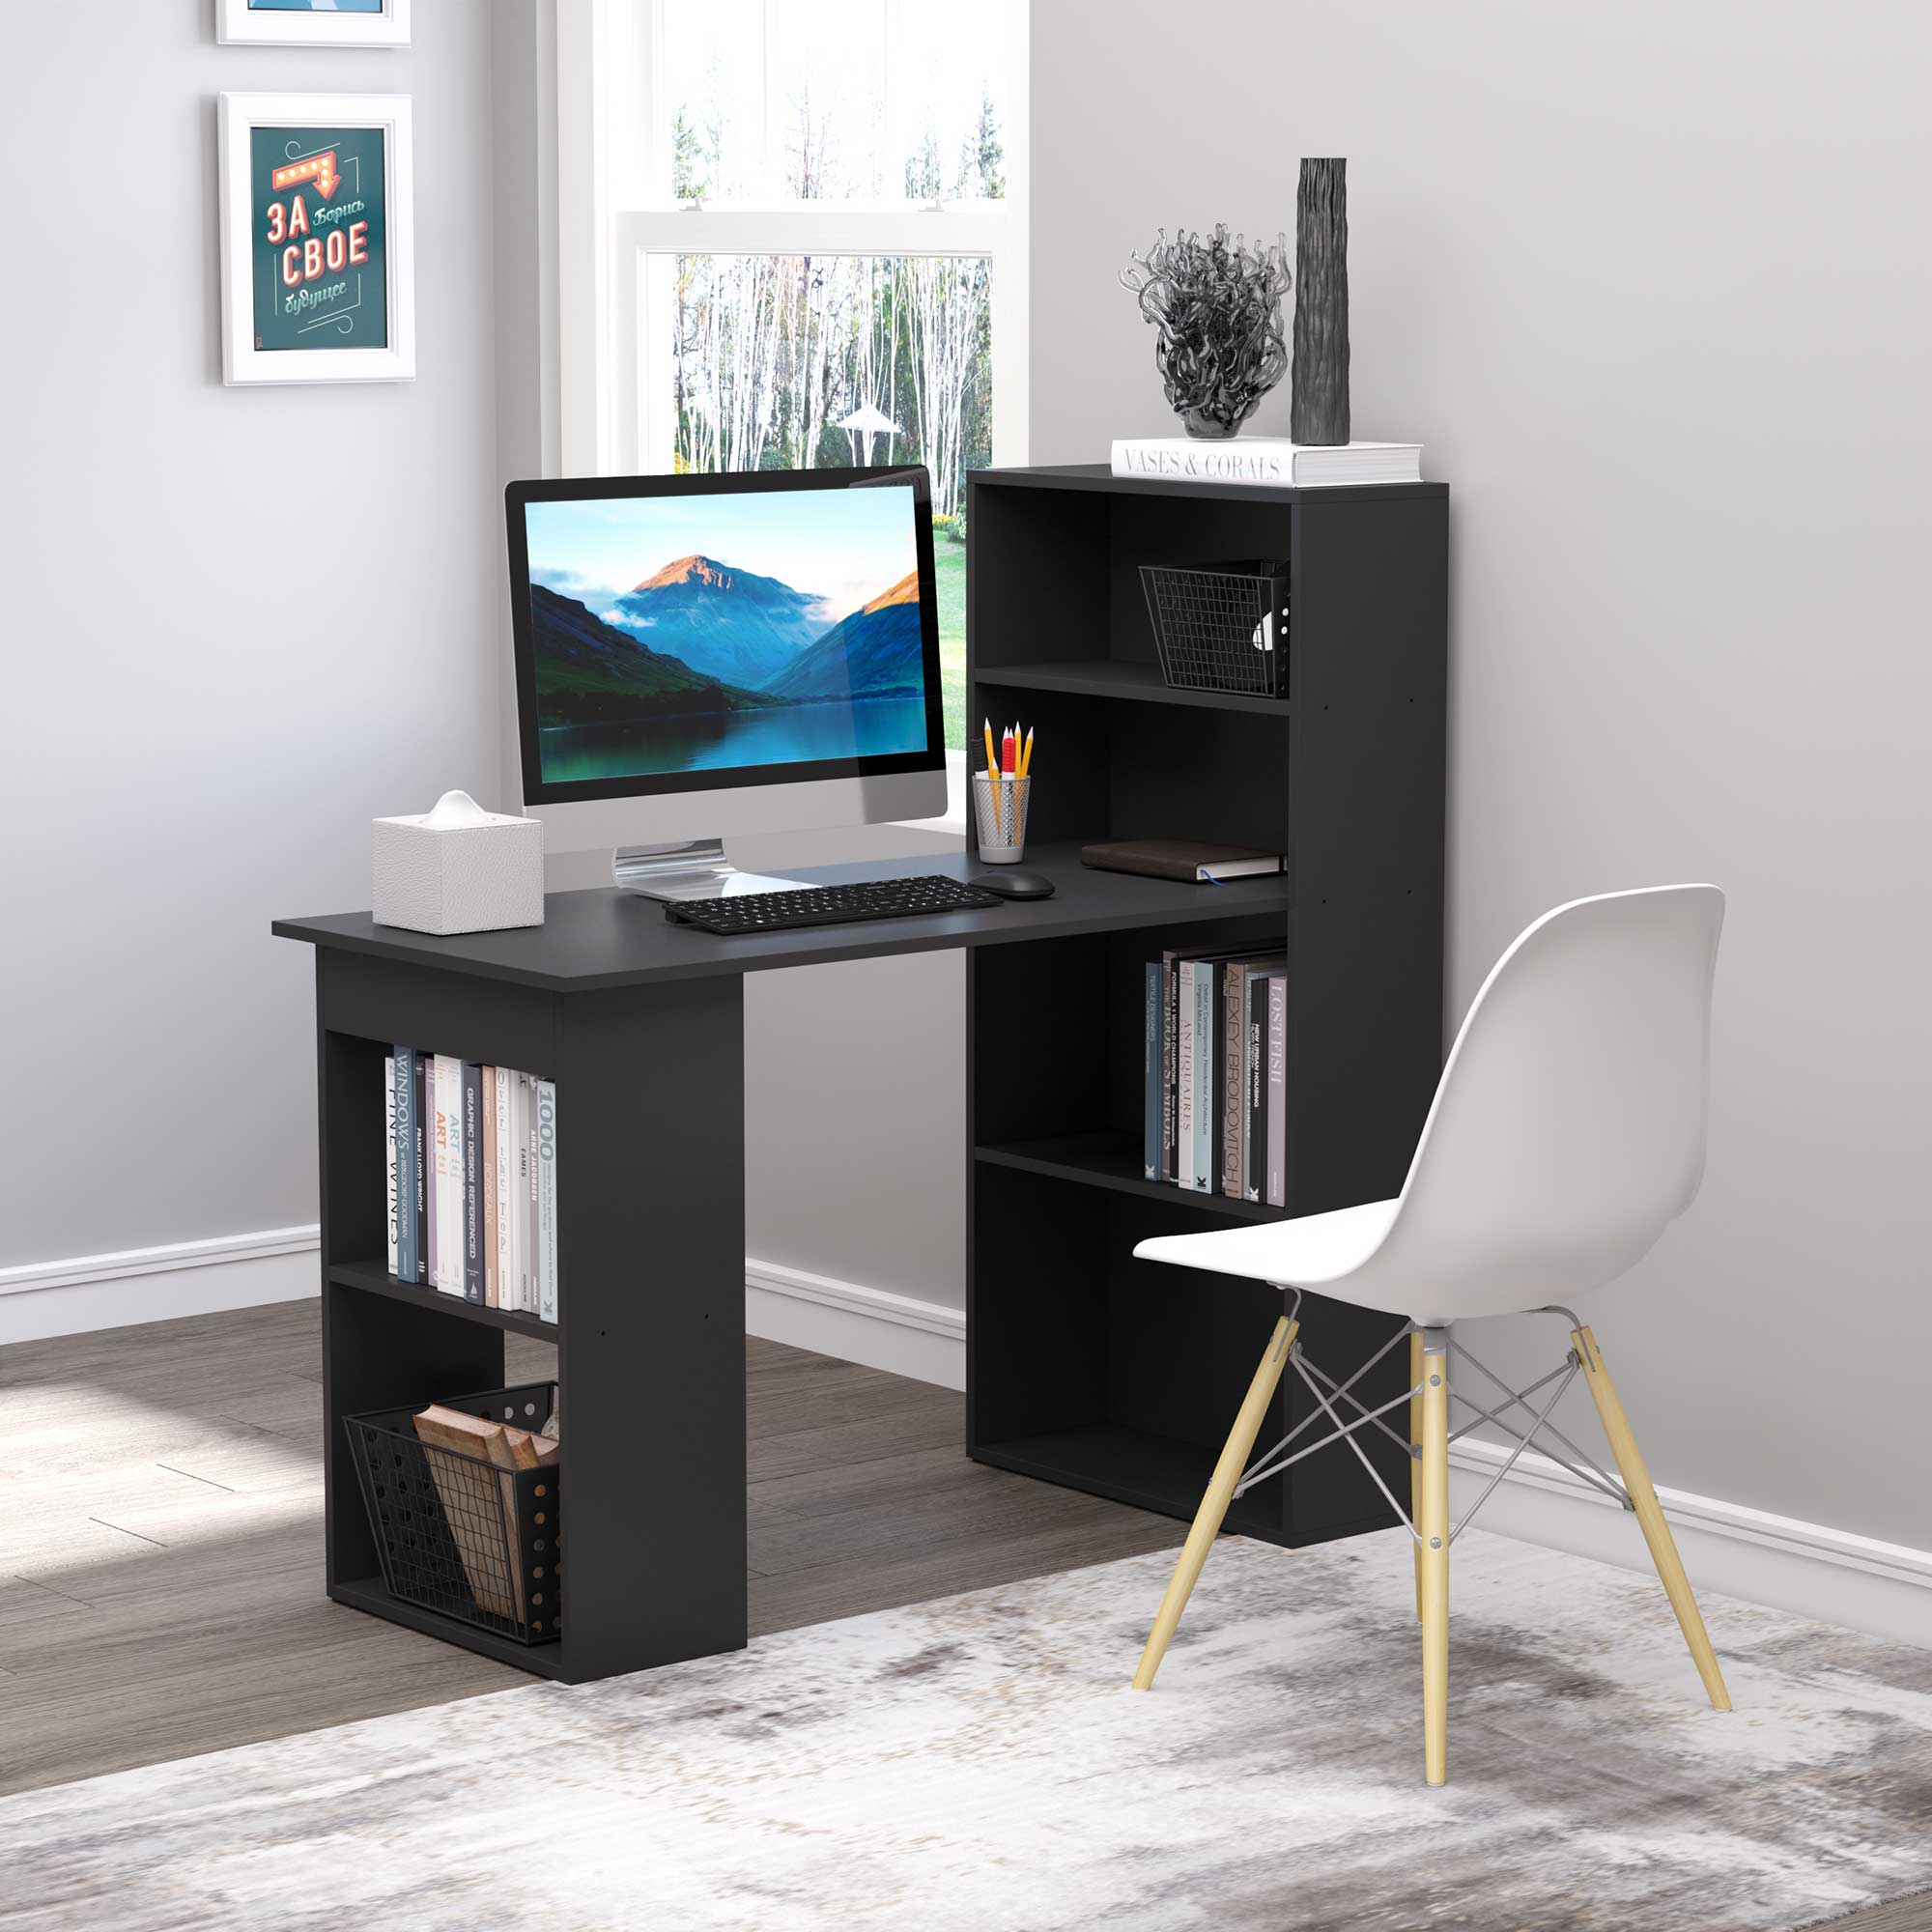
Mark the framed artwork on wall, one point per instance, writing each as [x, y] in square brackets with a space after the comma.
[312, 24]
[318, 271]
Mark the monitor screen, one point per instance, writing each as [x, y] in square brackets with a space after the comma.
[683, 632]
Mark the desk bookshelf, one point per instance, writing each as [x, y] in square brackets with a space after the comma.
[1084, 1366]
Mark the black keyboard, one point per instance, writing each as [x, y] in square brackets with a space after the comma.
[831, 905]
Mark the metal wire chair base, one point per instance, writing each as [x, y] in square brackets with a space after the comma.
[1327, 1392]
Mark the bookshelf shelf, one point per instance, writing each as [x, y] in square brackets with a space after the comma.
[374, 1278]
[1109, 677]
[369, 1593]
[1086, 1367]
[1112, 1160]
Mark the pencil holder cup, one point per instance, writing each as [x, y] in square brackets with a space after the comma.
[1000, 814]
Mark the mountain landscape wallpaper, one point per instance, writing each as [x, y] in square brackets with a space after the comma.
[685, 633]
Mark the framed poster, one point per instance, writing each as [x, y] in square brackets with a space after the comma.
[313, 23]
[316, 239]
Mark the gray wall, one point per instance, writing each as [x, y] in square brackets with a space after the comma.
[1630, 274]
[854, 1074]
[238, 623]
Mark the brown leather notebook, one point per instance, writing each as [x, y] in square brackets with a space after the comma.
[1189, 860]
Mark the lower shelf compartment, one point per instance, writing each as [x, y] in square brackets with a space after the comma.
[374, 1278]
[1126, 1466]
[1106, 1159]
[540, 1660]
[1153, 1472]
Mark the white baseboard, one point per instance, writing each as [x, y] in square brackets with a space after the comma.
[926, 1340]
[1884, 1589]
[112, 1290]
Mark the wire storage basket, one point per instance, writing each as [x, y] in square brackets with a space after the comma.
[1221, 626]
[457, 1534]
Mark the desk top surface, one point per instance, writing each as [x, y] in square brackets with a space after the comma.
[593, 940]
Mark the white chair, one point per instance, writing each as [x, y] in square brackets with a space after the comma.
[1566, 1134]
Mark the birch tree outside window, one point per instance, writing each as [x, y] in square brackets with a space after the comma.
[810, 245]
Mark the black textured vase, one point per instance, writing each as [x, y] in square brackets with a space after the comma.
[1319, 412]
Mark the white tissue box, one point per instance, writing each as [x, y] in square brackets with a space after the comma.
[458, 869]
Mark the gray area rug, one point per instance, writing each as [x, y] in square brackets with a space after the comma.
[979, 1764]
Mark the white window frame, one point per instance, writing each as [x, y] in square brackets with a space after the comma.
[614, 382]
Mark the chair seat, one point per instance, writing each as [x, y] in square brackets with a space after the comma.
[1312, 1251]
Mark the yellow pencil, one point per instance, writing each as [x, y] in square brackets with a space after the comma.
[1026, 752]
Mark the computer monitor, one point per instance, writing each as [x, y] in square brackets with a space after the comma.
[705, 656]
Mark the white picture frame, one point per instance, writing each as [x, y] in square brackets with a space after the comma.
[249, 259]
[239, 25]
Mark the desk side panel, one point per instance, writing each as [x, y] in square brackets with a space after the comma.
[651, 1305]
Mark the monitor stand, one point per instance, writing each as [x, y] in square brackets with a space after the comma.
[695, 870]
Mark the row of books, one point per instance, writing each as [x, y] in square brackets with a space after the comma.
[1215, 1059]
[472, 1180]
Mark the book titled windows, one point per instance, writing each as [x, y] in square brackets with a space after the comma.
[471, 1178]
[1214, 1047]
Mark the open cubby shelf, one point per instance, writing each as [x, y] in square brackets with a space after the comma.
[1108, 1159]
[374, 1278]
[1085, 1366]
[1140, 683]
[371, 1594]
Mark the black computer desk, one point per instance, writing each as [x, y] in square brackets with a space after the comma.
[640, 1024]
[1083, 1366]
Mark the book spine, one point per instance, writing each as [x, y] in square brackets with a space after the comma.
[532, 1229]
[1253, 1150]
[1217, 994]
[546, 1199]
[1277, 1097]
[423, 1249]
[432, 1175]
[1183, 1074]
[1233, 1024]
[1139, 455]
[1204, 1057]
[1169, 1045]
[391, 1165]
[408, 1218]
[500, 1173]
[1154, 1149]
[450, 1175]
[486, 1142]
[472, 1183]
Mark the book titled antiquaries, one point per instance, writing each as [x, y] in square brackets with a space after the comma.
[1266, 462]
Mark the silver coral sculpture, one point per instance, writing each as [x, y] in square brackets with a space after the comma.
[1217, 306]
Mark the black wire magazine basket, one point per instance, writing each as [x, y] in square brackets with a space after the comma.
[458, 1534]
[1221, 626]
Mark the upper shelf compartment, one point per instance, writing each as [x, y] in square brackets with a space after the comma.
[1065, 609]
[1110, 677]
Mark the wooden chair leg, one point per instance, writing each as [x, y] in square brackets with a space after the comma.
[1415, 1462]
[1433, 1552]
[1650, 1514]
[1214, 1504]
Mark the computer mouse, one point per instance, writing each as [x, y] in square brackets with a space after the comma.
[1016, 885]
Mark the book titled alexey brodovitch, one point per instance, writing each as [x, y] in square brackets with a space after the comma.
[1266, 462]
[470, 1169]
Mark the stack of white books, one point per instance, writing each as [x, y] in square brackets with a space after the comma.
[1266, 462]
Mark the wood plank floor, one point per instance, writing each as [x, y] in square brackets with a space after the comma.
[160, 1539]
[161, 1535]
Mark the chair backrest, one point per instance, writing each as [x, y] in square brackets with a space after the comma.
[1568, 1128]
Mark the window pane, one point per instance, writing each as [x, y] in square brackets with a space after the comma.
[774, 353]
[713, 94]
[784, 100]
